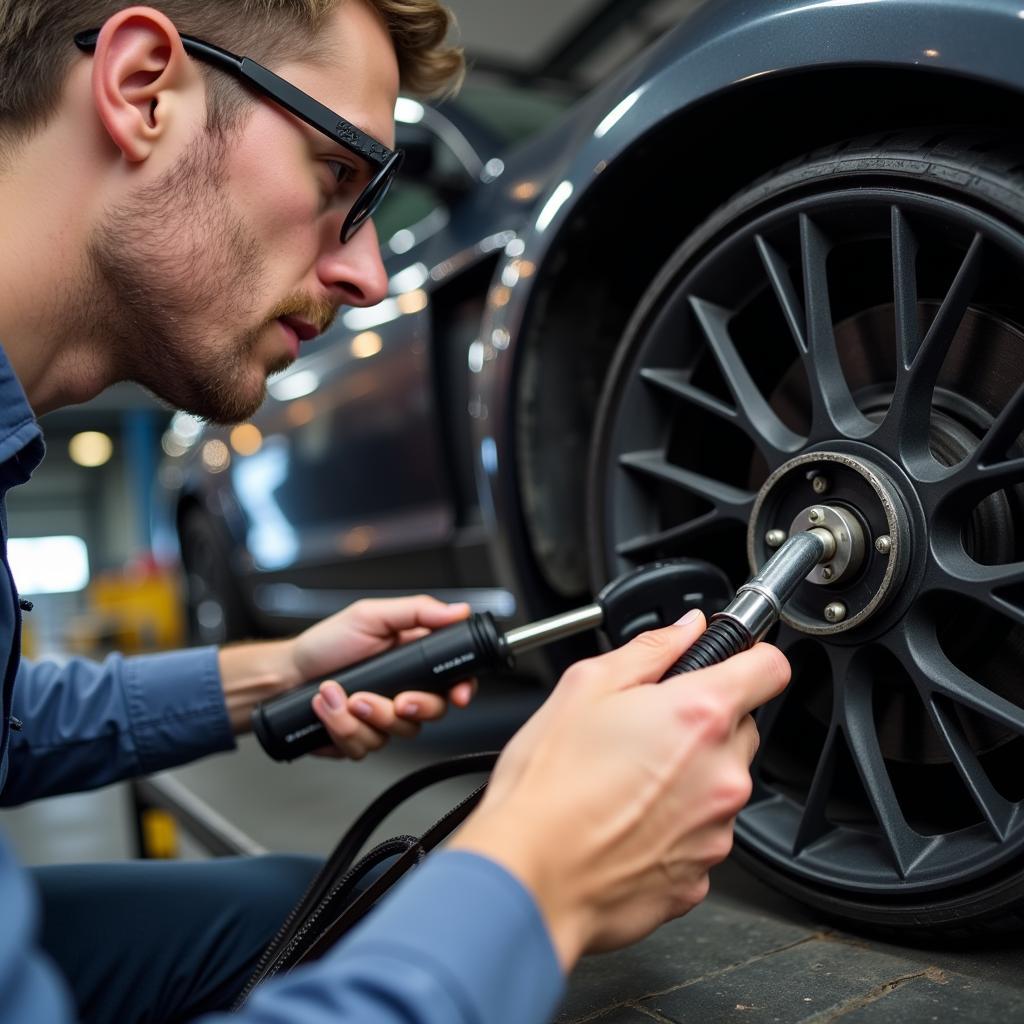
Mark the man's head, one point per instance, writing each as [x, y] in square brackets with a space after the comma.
[209, 222]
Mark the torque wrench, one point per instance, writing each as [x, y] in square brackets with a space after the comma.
[646, 598]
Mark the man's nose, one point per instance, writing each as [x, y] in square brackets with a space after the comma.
[353, 271]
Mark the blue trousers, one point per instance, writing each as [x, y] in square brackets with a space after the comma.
[158, 942]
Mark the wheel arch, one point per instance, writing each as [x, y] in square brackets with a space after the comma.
[595, 269]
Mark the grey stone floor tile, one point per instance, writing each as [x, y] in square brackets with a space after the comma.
[804, 983]
[936, 996]
[710, 938]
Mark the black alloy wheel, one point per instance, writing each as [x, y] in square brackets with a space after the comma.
[846, 337]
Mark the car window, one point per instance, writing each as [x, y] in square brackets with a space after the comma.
[512, 115]
[434, 175]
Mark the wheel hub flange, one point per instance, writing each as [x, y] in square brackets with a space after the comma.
[863, 506]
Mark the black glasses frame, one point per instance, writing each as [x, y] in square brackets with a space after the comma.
[303, 106]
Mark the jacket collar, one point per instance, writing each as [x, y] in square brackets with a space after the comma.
[20, 435]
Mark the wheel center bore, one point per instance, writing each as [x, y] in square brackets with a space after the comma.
[860, 505]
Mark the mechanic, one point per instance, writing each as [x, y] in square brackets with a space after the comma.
[165, 224]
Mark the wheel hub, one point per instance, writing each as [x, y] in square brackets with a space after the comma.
[867, 517]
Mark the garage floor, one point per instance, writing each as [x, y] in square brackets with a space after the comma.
[746, 954]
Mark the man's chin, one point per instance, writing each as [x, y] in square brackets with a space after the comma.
[227, 407]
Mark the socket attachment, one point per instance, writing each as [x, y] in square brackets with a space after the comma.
[847, 550]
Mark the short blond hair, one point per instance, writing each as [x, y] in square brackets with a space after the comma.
[37, 46]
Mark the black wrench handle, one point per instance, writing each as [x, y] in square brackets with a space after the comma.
[723, 638]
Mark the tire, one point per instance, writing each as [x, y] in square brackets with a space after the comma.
[215, 610]
[857, 310]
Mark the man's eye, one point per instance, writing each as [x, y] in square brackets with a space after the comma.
[340, 170]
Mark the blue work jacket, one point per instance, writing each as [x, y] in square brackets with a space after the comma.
[460, 941]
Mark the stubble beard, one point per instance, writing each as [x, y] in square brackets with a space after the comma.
[175, 272]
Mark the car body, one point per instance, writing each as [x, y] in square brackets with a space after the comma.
[446, 441]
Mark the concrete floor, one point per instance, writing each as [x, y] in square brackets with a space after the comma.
[747, 954]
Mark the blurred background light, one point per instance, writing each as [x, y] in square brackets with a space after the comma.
[90, 448]
[300, 413]
[246, 439]
[49, 565]
[186, 427]
[295, 385]
[367, 344]
[408, 111]
[413, 302]
[216, 457]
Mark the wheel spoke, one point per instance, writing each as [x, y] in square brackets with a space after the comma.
[731, 502]
[986, 584]
[904, 283]
[997, 811]
[906, 846]
[782, 285]
[919, 365]
[963, 487]
[813, 822]
[767, 718]
[1011, 609]
[759, 419]
[927, 360]
[833, 408]
[934, 674]
[673, 538]
[1005, 429]
[677, 384]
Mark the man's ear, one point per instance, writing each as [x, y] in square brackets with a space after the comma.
[141, 77]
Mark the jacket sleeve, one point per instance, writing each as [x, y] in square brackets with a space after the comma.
[459, 942]
[86, 724]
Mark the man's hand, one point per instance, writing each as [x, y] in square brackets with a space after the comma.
[359, 722]
[616, 798]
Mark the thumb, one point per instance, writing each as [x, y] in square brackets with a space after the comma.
[647, 657]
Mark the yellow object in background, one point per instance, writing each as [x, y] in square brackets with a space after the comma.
[159, 834]
[135, 611]
[29, 645]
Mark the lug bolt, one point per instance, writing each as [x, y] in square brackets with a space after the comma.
[774, 538]
[883, 544]
[819, 484]
[835, 612]
[826, 573]
[815, 515]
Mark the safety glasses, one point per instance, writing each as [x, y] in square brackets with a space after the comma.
[302, 105]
